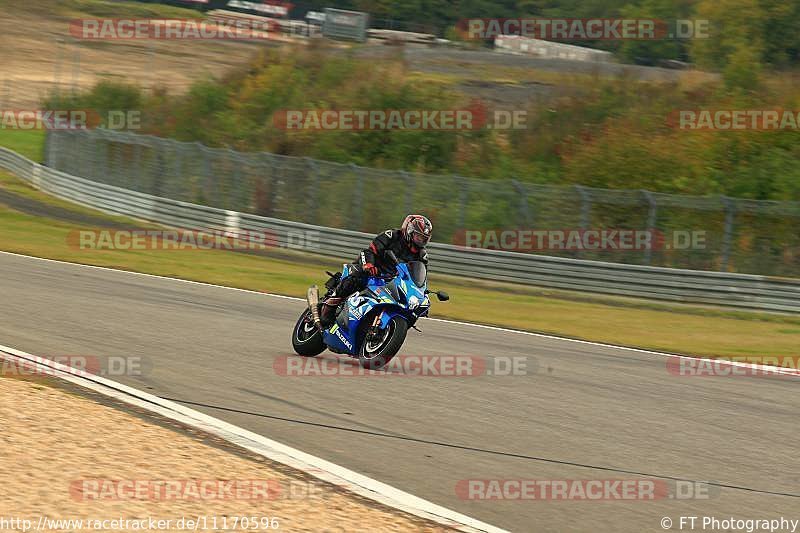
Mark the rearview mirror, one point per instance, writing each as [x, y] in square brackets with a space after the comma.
[443, 296]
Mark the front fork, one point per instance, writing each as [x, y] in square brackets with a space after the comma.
[375, 327]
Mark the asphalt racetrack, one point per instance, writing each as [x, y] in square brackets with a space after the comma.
[576, 411]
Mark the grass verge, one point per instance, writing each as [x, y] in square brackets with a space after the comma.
[675, 328]
[29, 143]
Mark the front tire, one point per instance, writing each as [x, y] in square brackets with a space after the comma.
[306, 337]
[376, 351]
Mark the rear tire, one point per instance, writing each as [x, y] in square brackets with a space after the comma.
[306, 337]
[374, 354]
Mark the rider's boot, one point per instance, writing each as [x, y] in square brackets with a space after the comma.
[345, 286]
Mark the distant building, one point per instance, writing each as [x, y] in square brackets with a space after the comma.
[516, 44]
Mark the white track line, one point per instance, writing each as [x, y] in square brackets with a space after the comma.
[765, 368]
[310, 464]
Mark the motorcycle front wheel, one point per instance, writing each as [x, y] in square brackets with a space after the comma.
[378, 348]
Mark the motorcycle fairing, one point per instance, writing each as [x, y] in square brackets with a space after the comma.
[342, 336]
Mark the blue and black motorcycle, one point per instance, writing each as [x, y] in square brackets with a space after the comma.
[370, 325]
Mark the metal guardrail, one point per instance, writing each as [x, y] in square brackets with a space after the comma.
[738, 235]
[742, 291]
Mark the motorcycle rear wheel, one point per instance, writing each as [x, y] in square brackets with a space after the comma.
[306, 337]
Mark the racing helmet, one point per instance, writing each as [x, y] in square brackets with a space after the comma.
[417, 230]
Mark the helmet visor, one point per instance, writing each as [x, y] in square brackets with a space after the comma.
[419, 238]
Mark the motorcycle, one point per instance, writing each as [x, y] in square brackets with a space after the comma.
[370, 325]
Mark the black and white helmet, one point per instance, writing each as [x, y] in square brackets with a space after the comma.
[417, 231]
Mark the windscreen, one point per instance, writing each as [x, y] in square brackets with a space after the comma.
[419, 273]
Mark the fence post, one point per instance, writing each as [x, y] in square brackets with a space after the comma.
[100, 156]
[262, 191]
[274, 184]
[313, 194]
[82, 152]
[586, 210]
[409, 196]
[93, 155]
[357, 209]
[182, 178]
[207, 174]
[156, 153]
[71, 163]
[586, 205]
[48, 148]
[79, 152]
[236, 198]
[59, 141]
[137, 162]
[119, 172]
[523, 203]
[651, 223]
[727, 237]
[160, 166]
[463, 192]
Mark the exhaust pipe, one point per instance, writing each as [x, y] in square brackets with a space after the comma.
[313, 303]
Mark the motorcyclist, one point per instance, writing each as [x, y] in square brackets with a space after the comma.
[408, 244]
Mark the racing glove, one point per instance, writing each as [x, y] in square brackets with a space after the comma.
[370, 269]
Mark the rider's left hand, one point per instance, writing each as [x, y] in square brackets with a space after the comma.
[370, 269]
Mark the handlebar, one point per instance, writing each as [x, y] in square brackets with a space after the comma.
[393, 258]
